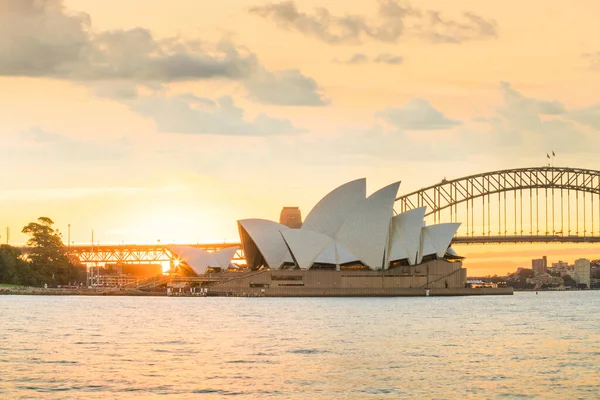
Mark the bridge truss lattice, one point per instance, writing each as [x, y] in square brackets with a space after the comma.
[543, 203]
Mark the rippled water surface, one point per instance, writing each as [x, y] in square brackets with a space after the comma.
[479, 347]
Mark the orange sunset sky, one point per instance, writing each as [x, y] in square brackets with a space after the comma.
[168, 121]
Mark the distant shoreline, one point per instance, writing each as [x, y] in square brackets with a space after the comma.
[555, 290]
[32, 291]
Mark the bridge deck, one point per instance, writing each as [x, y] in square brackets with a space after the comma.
[525, 239]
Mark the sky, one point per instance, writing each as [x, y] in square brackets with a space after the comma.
[170, 121]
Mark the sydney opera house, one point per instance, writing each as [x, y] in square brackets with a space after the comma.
[347, 230]
[350, 244]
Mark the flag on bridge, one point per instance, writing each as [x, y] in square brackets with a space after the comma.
[553, 154]
[547, 155]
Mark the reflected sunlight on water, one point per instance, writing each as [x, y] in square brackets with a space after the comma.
[121, 347]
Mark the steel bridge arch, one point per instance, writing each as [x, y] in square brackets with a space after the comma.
[449, 193]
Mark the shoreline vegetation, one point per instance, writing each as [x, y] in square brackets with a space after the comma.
[44, 262]
[36, 291]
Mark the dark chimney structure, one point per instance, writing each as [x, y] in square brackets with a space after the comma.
[291, 217]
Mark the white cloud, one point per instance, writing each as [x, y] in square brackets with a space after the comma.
[588, 116]
[191, 114]
[360, 58]
[287, 87]
[393, 21]
[355, 59]
[387, 58]
[43, 146]
[594, 60]
[40, 38]
[520, 127]
[417, 115]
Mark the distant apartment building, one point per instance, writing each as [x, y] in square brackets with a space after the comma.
[560, 265]
[291, 217]
[539, 266]
[595, 274]
[582, 271]
[561, 268]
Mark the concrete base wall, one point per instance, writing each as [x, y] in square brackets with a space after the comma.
[441, 277]
[393, 292]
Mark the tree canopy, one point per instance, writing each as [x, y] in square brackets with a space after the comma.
[46, 243]
[44, 261]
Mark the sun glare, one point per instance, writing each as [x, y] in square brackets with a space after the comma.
[166, 266]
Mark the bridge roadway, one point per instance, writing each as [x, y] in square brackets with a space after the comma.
[155, 253]
[138, 253]
[525, 239]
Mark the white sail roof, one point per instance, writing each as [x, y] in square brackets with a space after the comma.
[344, 255]
[328, 255]
[305, 245]
[222, 258]
[425, 247]
[452, 252]
[330, 213]
[267, 238]
[197, 259]
[441, 236]
[365, 231]
[406, 235]
[435, 239]
[336, 254]
[200, 260]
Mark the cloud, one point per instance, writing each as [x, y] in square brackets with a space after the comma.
[37, 134]
[588, 116]
[286, 87]
[40, 38]
[594, 60]
[527, 125]
[191, 114]
[389, 59]
[417, 115]
[37, 38]
[393, 21]
[39, 144]
[359, 59]
[519, 127]
[355, 59]
[472, 27]
[116, 90]
[516, 103]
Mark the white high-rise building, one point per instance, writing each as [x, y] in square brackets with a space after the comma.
[582, 271]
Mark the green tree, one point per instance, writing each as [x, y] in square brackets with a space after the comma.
[13, 269]
[525, 273]
[8, 263]
[47, 253]
[569, 281]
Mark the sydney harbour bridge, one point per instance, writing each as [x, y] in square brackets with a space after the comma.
[524, 205]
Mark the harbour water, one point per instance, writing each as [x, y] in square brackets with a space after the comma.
[525, 345]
